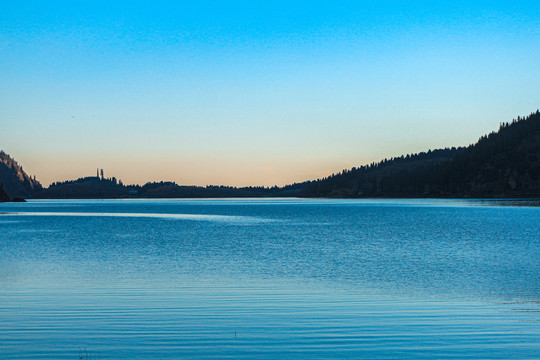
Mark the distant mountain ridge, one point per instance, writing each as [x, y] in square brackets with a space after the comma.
[109, 188]
[505, 163]
[16, 182]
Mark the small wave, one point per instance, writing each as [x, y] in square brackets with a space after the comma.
[199, 217]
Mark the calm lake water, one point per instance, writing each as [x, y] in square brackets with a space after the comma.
[267, 279]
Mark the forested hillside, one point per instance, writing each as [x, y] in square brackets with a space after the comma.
[503, 163]
[103, 188]
[16, 182]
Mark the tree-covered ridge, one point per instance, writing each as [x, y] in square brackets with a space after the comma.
[3, 195]
[503, 163]
[98, 187]
[16, 182]
[402, 174]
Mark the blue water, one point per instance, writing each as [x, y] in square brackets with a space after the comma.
[267, 279]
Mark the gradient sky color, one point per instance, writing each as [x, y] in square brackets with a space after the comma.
[256, 93]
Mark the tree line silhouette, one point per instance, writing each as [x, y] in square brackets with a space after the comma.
[505, 163]
[97, 187]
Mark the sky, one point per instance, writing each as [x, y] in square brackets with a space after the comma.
[255, 92]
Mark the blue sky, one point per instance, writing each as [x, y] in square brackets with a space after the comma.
[257, 93]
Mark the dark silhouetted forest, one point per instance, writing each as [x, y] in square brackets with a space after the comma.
[3, 195]
[97, 187]
[505, 163]
[16, 182]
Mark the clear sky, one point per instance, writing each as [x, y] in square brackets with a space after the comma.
[255, 92]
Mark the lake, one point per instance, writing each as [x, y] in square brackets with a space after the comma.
[270, 278]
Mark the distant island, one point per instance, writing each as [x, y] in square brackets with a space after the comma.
[505, 163]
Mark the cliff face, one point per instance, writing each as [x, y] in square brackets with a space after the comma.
[16, 182]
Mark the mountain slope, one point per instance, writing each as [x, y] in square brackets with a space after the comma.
[505, 163]
[3, 196]
[16, 182]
